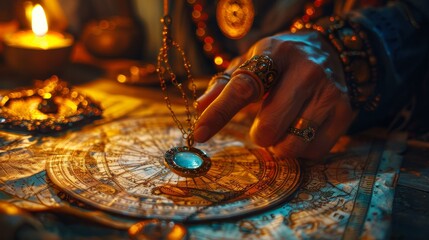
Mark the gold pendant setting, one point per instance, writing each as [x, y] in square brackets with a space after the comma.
[187, 161]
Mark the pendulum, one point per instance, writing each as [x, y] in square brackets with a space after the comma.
[185, 161]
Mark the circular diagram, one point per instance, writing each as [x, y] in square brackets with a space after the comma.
[119, 167]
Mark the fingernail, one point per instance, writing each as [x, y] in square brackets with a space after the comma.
[201, 134]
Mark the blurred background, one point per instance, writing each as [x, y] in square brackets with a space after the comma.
[120, 39]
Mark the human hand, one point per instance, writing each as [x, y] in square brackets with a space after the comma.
[310, 86]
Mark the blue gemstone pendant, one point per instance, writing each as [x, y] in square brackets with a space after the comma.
[187, 162]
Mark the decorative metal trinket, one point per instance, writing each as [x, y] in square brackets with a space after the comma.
[49, 107]
[184, 161]
[235, 17]
[187, 162]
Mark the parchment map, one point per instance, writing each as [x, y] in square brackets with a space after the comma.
[339, 199]
[347, 195]
[120, 167]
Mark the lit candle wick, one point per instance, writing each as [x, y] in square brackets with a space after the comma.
[39, 24]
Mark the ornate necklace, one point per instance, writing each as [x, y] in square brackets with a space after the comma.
[185, 161]
[311, 12]
[234, 17]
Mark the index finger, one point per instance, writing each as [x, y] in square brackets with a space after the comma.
[241, 90]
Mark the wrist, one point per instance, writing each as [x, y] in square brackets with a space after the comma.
[357, 58]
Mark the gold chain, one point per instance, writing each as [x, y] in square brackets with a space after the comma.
[166, 74]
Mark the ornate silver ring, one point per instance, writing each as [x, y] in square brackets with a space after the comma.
[220, 76]
[304, 129]
[262, 69]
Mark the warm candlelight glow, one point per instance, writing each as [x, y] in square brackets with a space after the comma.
[28, 9]
[39, 24]
[39, 37]
[39, 52]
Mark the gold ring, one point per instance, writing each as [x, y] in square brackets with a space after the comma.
[261, 68]
[219, 76]
[304, 129]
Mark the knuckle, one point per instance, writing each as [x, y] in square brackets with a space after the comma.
[261, 45]
[314, 73]
[288, 47]
[222, 114]
[264, 135]
[332, 92]
[292, 48]
[288, 148]
[243, 88]
[328, 97]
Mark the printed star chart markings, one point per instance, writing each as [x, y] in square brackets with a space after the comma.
[120, 167]
[332, 199]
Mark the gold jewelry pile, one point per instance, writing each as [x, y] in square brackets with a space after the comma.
[49, 107]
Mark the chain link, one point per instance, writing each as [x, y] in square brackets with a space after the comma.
[166, 74]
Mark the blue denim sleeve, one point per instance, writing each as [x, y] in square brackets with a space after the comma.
[399, 35]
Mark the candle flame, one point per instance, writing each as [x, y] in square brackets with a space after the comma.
[39, 24]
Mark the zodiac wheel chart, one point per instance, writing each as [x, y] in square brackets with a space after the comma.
[119, 167]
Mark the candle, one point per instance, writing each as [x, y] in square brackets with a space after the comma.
[38, 52]
[27, 39]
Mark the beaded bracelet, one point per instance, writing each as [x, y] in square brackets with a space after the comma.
[359, 62]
